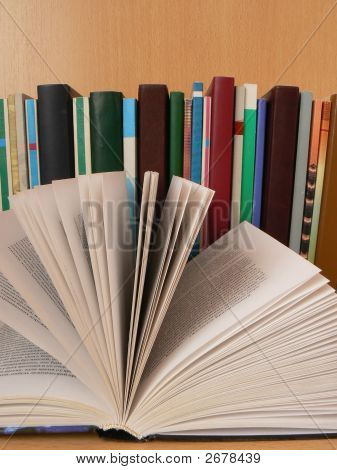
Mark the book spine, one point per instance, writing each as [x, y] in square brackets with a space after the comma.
[21, 140]
[79, 146]
[130, 156]
[302, 155]
[176, 152]
[13, 144]
[5, 164]
[259, 161]
[206, 145]
[221, 91]
[153, 127]
[248, 160]
[280, 158]
[32, 143]
[106, 131]
[196, 151]
[323, 143]
[56, 132]
[326, 255]
[237, 154]
[311, 178]
[187, 138]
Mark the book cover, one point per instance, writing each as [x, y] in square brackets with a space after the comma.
[311, 177]
[5, 163]
[32, 143]
[56, 132]
[323, 143]
[248, 159]
[187, 138]
[153, 134]
[280, 156]
[237, 154]
[259, 160]
[326, 255]
[130, 153]
[206, 145]
[13, 144]
[196, 149]
[302, 155]
[221, 91]
[176, 133]
[82, 145]
[106, 130]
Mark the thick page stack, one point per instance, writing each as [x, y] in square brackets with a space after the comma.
[96, 331]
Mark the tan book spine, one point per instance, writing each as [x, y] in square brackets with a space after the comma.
[326, 253]
[13, 143]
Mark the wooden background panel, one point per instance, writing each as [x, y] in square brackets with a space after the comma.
[117, 44]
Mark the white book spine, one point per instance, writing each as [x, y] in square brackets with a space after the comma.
[240, 93]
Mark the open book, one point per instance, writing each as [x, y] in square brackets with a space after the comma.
[104, 325]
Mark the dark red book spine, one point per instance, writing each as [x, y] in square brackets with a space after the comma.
[153, 127]
[221, 91]
[280, 159]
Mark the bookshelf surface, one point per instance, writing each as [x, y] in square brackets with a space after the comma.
[92, 441]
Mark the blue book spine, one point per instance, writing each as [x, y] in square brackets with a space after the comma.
[32, 143]
[259, 160]
[196, 147]
[130, 157]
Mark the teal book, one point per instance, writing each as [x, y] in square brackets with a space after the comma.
[5, 162]
[176, 139]
[106, 131]
[32, 143]
[248, 160]
[196, 135]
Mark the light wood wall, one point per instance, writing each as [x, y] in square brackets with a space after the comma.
[117, 44]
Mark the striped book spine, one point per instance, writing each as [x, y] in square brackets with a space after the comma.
[196, 151]
[206, 144]
[5, 162]
[187, 138]
[240, 92]
[248, 161]
[302, 154]
[82, 145]
[259, 161]
[130, 154]
[323, 144]
[32, 143]
[311, 177]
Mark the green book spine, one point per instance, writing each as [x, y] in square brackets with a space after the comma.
[248, 160]
[106, 131]
[79, 136]
[4, 157]
[176, 134]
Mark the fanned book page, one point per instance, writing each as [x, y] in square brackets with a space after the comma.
[99, 328]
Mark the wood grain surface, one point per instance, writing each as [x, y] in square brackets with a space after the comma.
[92, 441]
[117, 44]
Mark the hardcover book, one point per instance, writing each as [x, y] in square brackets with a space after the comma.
[176, 153]
[248, 158]
[311, 177]
[302, 154]
[82, 144]
[187, 138]
[326, 255]
[237, 154]
[196, 135]
[95, 331]
[5, 160]
[32, 143]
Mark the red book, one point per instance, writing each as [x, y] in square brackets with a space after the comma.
[221, 91]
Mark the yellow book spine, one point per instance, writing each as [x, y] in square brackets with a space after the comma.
[13, 144]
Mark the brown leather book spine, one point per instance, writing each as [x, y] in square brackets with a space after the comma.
[326, 253]
[280, 157]
[153, 122]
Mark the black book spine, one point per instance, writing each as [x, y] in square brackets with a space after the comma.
[56, 132]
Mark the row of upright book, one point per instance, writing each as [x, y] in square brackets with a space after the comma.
[271, 161]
